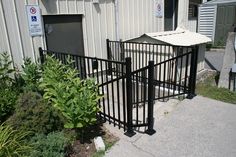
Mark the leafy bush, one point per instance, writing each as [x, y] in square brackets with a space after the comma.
[6, 71]
[75, 98]
[51, 145]
[7, 102]
[32, 113]
[12, 142]
[7, 91]
[31, 75]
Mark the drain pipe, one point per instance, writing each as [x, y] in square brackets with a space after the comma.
[116, 2]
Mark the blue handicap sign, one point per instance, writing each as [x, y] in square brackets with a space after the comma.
[33, 18]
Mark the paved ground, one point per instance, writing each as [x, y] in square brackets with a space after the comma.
[214, 59]
[198, 128]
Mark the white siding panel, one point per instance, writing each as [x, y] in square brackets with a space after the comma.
[63, 7]
[3, 33]
[206, 24]
[13, 31]
[192, 25]
[80, 6]
[138, 17]
[95, 11]
[72, 6]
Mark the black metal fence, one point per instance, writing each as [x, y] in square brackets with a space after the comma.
[115, 82]
[133, 76]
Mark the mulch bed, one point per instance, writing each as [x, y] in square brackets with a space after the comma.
[87, 147]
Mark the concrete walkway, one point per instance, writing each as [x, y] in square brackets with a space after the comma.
[200, 127]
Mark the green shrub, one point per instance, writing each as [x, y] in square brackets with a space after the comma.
[6, 71]
[8, 99]
[32, 113]
[75, 98]
[31, 75]
[51, 145]
[12, 142]
[8, 93]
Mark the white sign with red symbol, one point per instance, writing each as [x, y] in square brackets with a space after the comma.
[34, 20]
[159, 10]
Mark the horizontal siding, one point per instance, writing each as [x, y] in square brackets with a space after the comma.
[207, 19]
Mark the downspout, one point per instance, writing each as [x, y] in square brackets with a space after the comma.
[117, 36]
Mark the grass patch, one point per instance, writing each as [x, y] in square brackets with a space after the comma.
[208, 88]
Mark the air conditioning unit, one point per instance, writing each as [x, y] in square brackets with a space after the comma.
[95, 1]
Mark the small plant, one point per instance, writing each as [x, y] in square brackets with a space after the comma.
[7, 91]
[6, 72]
[12, 142]
[7, 102]
[32, 113]
[31, 75]
[75, 98]
[52, 145]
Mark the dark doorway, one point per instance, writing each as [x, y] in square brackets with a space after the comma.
[171, 11]
[64, 33]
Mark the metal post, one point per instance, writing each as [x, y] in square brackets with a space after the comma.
[150, 129]
[230, 78]
[193, 73]
[41, 55]
[109, 57]
[130, 132]
[122, 54]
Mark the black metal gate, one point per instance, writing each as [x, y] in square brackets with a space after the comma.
[175, 67]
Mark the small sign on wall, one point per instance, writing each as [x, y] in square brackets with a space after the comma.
[34, 20]
[159, 8]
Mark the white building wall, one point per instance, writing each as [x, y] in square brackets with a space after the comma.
[192, 24]
[136, 17]
[183, 13]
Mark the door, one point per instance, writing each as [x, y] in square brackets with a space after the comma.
[226, 17]
[64, 33]
[171, 11]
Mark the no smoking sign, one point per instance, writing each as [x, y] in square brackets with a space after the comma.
[33, 10]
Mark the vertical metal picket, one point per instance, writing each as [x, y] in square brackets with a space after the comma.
[109, 57]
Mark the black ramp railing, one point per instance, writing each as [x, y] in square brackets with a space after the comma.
[133, 76]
